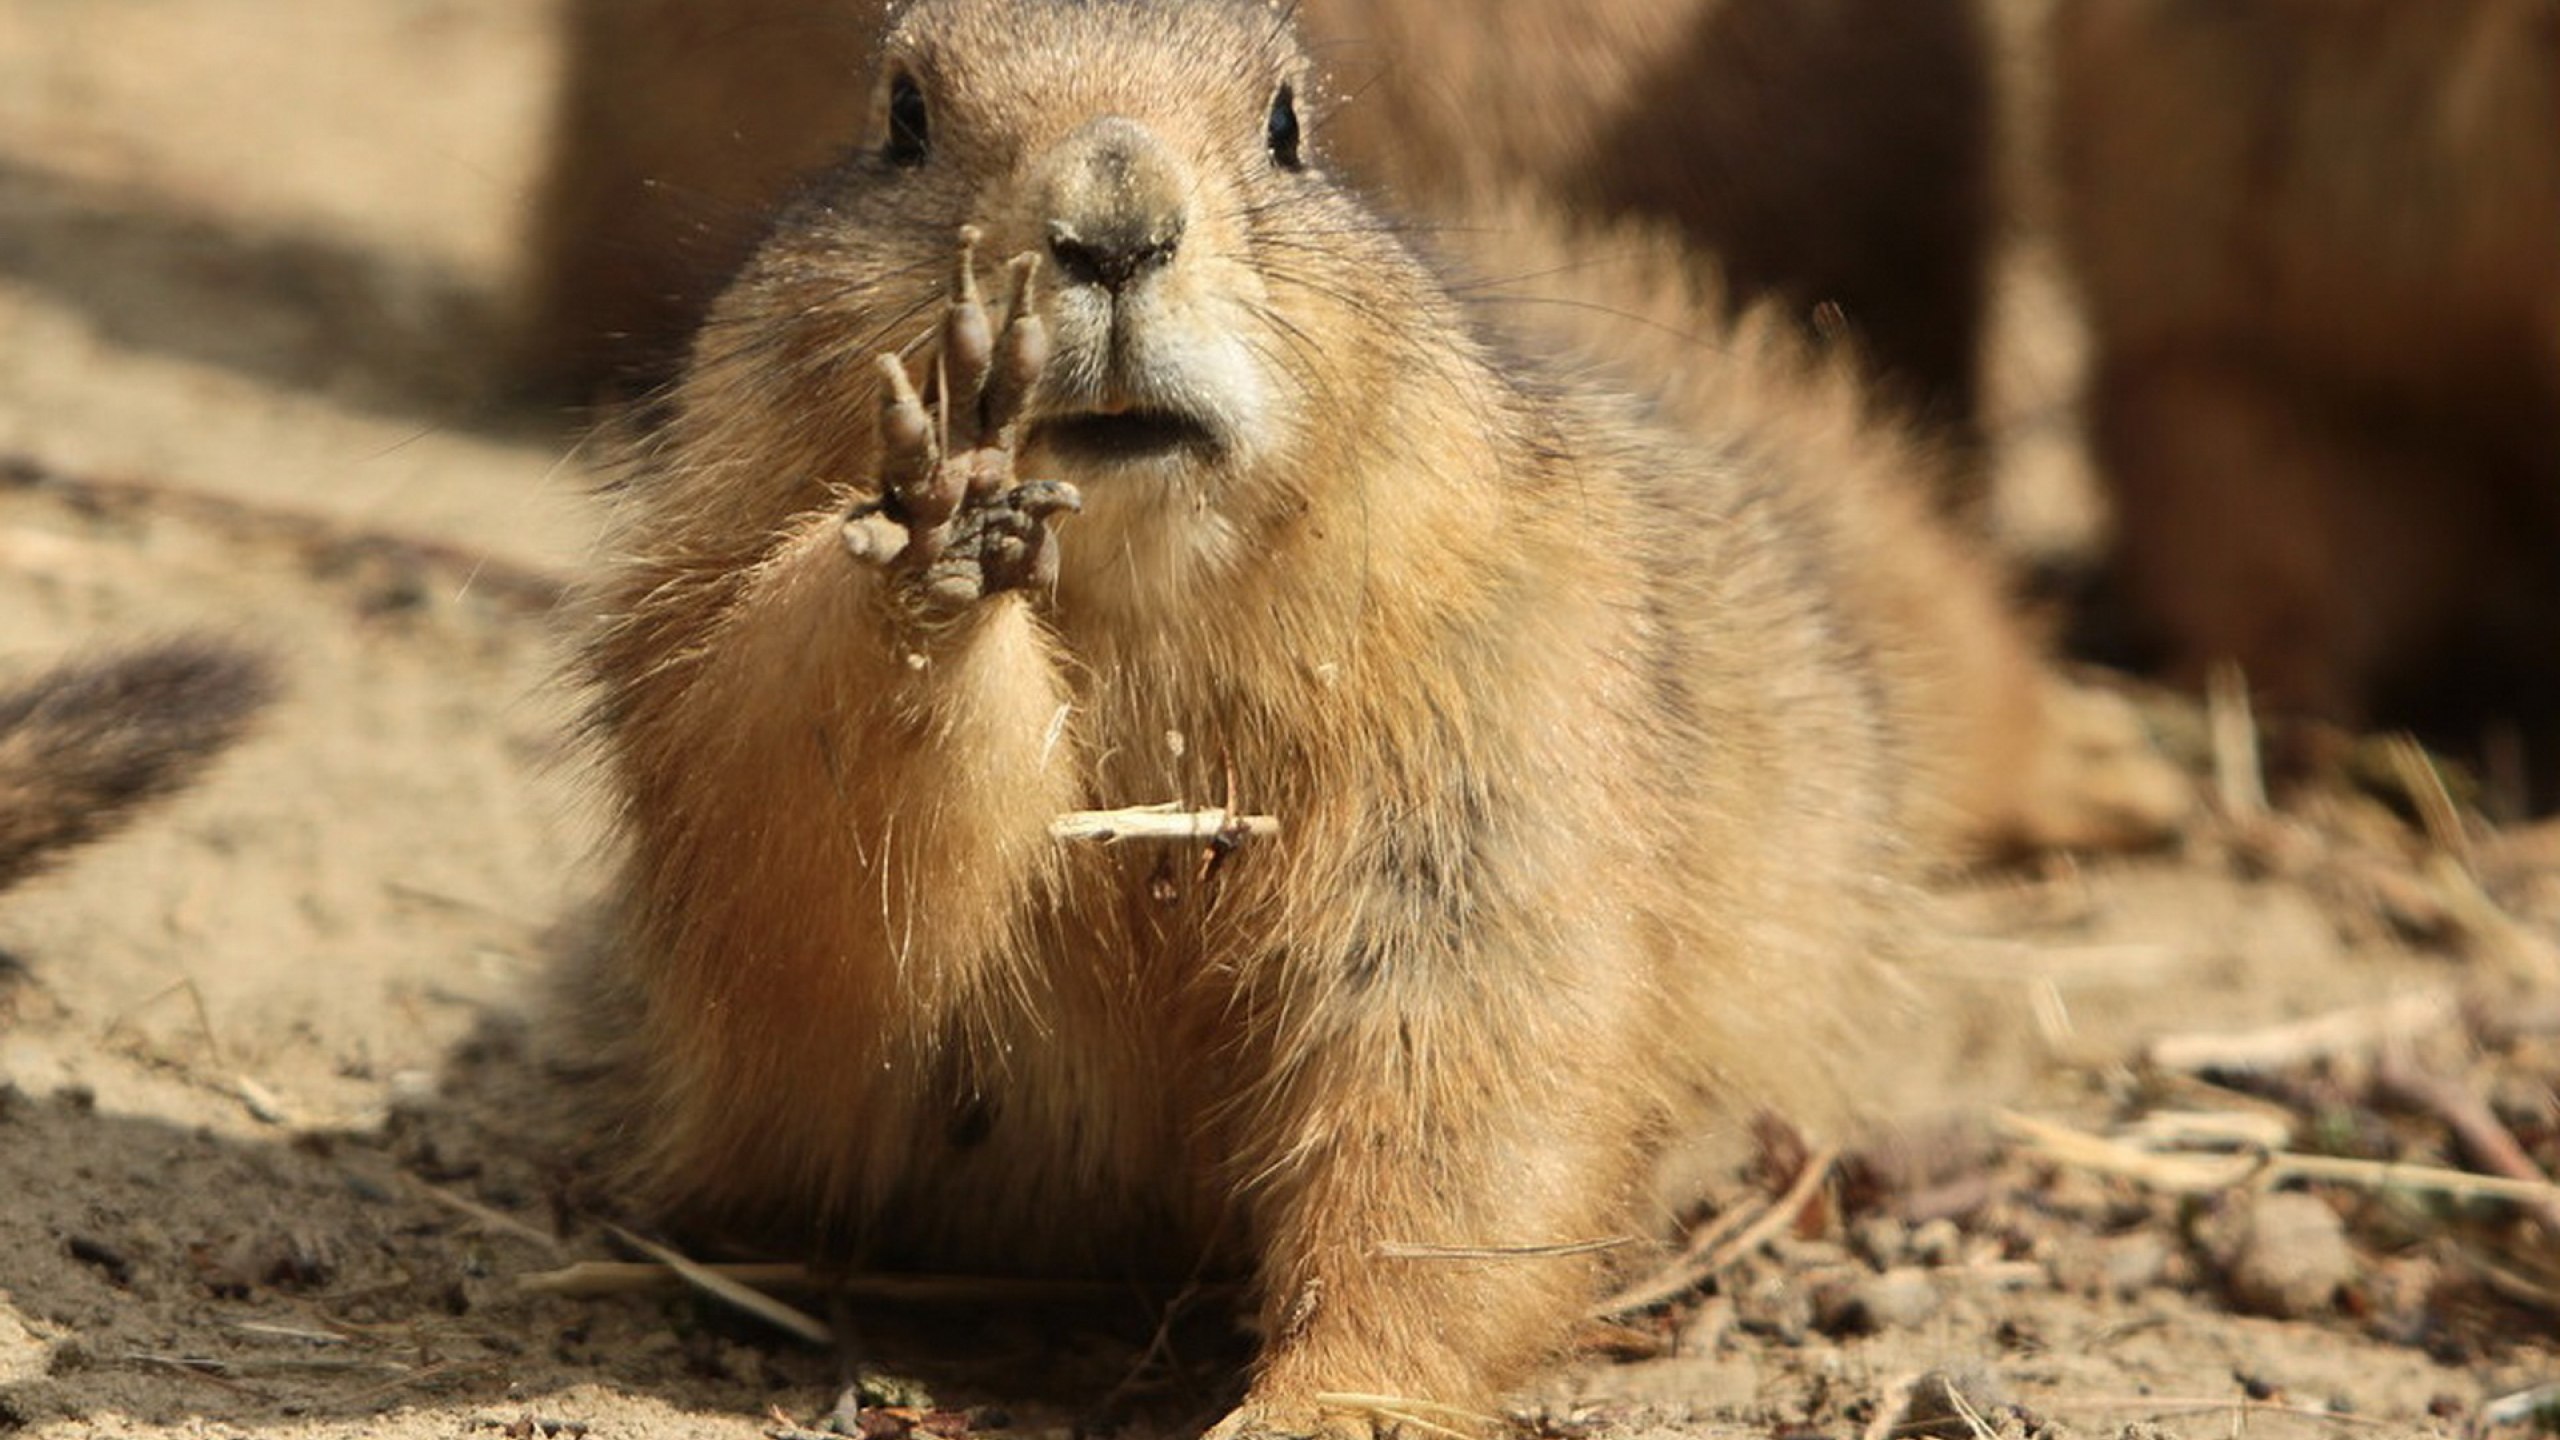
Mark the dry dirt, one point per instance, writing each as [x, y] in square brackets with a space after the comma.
[267, 1161]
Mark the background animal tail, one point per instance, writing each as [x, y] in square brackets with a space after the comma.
[85, 745]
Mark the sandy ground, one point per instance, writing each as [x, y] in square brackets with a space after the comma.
[265, 1160]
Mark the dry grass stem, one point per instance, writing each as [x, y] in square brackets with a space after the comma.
[1405, 1410]
[2357, 1030]
[1720, 1245]
[2522, 1405]
[2525, 954]
[1982, 1429]
[2239, 777]
[591, 1279]
[738, 1296]
[2489, 1143]
[2210, 1130]
[488, 1219]
[1676, 1276]
[288, 1332]
[1162, 822]
[2183, 1174]
[1400, 1250]
[597, 1279]
[264, 1105]
[124, 1020]
[2436, 808]
[2503, 1280]
[2160, 1407]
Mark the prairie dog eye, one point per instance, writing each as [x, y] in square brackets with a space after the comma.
[908, 129]
[1280, 129]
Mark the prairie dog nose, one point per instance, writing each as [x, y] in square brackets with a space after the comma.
[1115, 202]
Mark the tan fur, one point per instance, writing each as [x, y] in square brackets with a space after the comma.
[85, 745]
[1835, 153]
[2009, 754]
[1588, 737]
[2318, 240]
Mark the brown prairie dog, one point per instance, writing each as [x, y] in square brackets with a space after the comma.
[2318, 241]
[1594, 765]
[1835, 155]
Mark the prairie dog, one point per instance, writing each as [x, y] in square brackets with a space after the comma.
[2317, 242]
[1835, 154]
[1592, 758]
[679, 123]
[86, 744]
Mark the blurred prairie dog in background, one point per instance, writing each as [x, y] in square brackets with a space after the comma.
[1836, 155]
[2320, 245]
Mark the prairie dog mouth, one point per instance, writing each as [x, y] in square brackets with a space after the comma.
[1122, 437]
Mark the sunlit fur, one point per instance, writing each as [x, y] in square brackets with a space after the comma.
[1591, 766]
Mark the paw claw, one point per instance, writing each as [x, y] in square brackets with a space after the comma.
[907, 449]
[1022, 350]
[968, 346]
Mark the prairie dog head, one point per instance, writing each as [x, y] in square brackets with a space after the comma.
[1220, 309]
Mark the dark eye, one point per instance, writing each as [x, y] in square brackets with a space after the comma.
[1280, 131]
[907, 134]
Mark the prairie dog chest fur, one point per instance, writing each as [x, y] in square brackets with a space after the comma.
[1081, 409]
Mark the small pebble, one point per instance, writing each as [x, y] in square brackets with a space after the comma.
[413, 1090]
[1899, 1299]
[1883, 1240]
[1938, 1242]
[2289, 1257]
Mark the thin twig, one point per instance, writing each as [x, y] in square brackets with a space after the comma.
[2472, 1122]
[2201, 1174]
[589, 1279]
[288, 1332]
[729, 1292]
[2436, 809]
[126, 1018]
[2247, 1130]
[1972, 1416]
[2239, 778]
[1162, 822]
[2161, 1406]
[208, 1371]
[426, 1376]
[1400, 1250]
[1672, 1278]
[2277, 1047]
[2501, 1278]
[1405, 1407]
[264, 1105]
[487, 1218]
[2522, 1405]
[1701, 1261]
